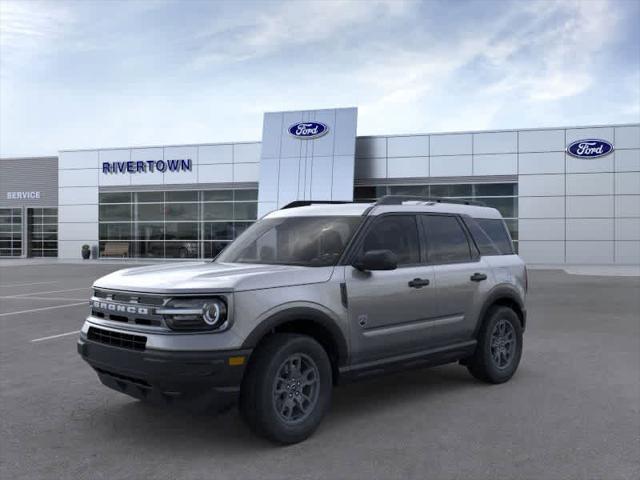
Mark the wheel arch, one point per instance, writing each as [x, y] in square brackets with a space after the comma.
[306, 321]
[503, 296]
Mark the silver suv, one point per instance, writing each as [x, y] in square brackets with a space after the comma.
[311, 296]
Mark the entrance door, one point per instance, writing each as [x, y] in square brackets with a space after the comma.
[42, 232]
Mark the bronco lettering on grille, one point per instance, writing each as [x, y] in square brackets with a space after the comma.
[117, 307]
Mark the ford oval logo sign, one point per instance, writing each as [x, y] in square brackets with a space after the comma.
[590, 148]
[308, 130]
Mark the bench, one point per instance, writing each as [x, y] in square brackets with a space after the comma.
[116, 250]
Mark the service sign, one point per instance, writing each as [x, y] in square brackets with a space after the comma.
[589, 148]
[308, 130]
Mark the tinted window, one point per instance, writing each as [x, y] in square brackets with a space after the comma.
[398, 233]
[497, 232]
[446, 240]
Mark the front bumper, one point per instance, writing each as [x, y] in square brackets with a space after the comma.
[197, 380]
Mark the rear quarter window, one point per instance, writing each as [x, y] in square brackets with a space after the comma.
[491, 236]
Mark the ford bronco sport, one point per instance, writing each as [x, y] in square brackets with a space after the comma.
[312, 296]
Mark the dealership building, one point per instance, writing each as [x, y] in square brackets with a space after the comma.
[569, 195]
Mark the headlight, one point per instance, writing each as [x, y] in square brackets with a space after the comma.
[195, 313]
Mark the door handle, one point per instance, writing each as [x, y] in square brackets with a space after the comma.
[419, 282]
[478, 277]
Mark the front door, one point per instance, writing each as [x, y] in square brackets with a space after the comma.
[391, 311]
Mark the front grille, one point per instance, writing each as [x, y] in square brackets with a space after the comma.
[117, 339]
[126, 297]
[128, 307]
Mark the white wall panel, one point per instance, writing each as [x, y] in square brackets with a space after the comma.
[272, 128]
[342, 168]
[77, 195]
[215, 154]
[586, 165]
[540, 185]
[628, 253]
[495, 142]
[627, 160]
[246, 172]
[346, 125]
[121, 155]
[628, 183]
[371, 168]
[545, 162]
[323, 146]
[500, 164]
[77, 231]
[321, 177]
[452, 144]
[590, 184]
[627, 205]
[628, 137]
[627, 228]
[371, 147]
[410, 146]
[451, 166]
[589, 252]
[180, 176]
[146, 178]
[589, 229]
[403, 167]
[80, 159]
[268, 179]
[215, 173]
[541, 229]
[541, 141]
[541, 252]
[246, 153]
[78, 178]
[291, 146]
[71, 249]
[541, 207]
[601, 133]
[590, 206]
[77, 213]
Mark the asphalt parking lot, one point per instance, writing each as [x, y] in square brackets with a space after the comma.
[571, 411]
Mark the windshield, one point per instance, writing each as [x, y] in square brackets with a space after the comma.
[306, 241]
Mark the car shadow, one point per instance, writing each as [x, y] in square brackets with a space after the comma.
[181, 431]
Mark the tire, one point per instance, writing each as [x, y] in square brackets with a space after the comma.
[497, 364]
[274, 399]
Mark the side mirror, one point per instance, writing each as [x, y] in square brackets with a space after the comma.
[377, 260]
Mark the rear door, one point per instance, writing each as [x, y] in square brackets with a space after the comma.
[461, 277]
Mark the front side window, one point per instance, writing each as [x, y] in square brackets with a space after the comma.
[446, 240]
[305, 241]
[398, 233]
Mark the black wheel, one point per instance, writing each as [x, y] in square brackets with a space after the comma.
[287, 388]
[499, 347]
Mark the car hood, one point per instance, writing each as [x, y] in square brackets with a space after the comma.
[208, 277]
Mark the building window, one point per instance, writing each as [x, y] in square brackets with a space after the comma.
[10, 232]
[42, 225]
[502, 196]
[174, 224]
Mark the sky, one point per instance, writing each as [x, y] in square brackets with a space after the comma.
[85, 74]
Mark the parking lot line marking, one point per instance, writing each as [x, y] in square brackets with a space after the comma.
[52, 291]
[26, 284]
[12, 297]
[86, 302]
[55, 336]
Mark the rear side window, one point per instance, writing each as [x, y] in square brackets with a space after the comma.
[491, 236]
[446, 240]
[398, 233]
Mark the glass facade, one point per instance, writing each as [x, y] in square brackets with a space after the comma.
[173, 224]
[42, 228]
[10, 232]
[502, 196]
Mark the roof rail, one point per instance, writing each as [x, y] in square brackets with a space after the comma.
[400, 199]
[306, 203]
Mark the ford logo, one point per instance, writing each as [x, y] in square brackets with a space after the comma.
[308, 130]
[590, 148]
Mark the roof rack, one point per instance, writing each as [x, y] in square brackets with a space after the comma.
[306, 203]
[400, 199]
